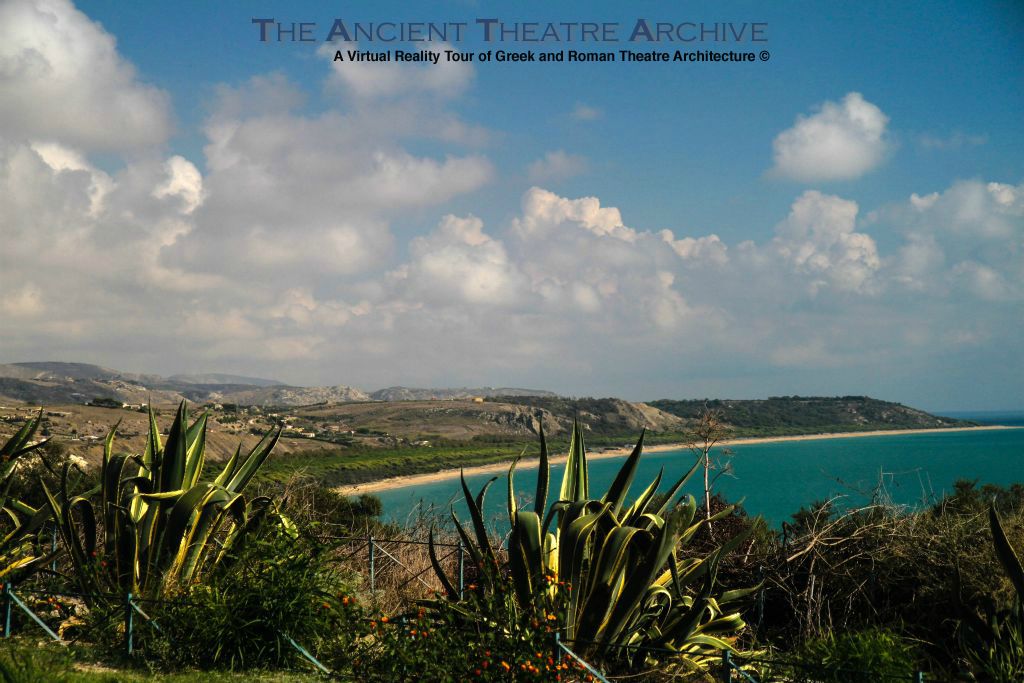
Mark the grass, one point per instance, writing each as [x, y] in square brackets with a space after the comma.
[129, 676]
[360, 464]
[27, 659]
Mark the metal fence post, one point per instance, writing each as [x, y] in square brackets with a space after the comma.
[129, 624]
[372, 577]
[919, 677]
[726, 666]
[53, 548]
[760, 597]
[462, 570]
[7, 609]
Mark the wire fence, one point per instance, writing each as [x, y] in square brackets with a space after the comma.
[388, 571]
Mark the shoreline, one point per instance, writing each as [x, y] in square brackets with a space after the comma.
[498, 467]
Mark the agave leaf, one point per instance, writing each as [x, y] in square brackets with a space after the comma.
[195, 455]
[257, 456]
[682, 628]
[172, 466]
[153, 445]
[474, 553]
[23, 530]
[574, 479]
[608, 576]
[616, 494]
[69, 532]
[163, 495]
[150, 465]
[639, 507]
[540, 500]
[229, 468]
[647, 570]
[477, 518]
[183, 512]
[525, 546]
[550, 556]
[16, 444]
[215, 510]
[572, 558]
[738, 594]
[675, 488]
[449, 587]
[512, 507]
[1005, 552]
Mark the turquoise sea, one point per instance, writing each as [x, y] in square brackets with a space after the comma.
[777, 479]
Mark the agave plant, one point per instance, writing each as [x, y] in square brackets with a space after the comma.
[153, 525]
[630, 590]
[19, 551]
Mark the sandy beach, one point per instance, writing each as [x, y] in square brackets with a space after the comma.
[500, 467]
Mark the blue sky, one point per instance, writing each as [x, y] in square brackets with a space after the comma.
[847, 217]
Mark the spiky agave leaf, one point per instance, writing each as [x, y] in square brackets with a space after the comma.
[575, 483]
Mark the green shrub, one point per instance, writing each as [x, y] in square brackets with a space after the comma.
[20, 663]
[317, 507]
[867, 656]
[994, 644]
[243, 617]
[483, 638]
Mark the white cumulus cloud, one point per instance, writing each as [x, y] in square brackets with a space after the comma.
[841, 141]
[62, 79]
[819, 237]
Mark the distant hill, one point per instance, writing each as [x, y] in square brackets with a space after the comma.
[221, 378]
[810, 414]
[415, 409]
[288, 396]
[57, 371]
[412, 394]
[605, 416]
[55, 383]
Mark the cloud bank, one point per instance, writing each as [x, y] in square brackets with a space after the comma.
[320, 246]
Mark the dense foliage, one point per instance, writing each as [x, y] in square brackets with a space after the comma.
[245, 615]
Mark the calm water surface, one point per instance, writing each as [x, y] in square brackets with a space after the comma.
[777, 479]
